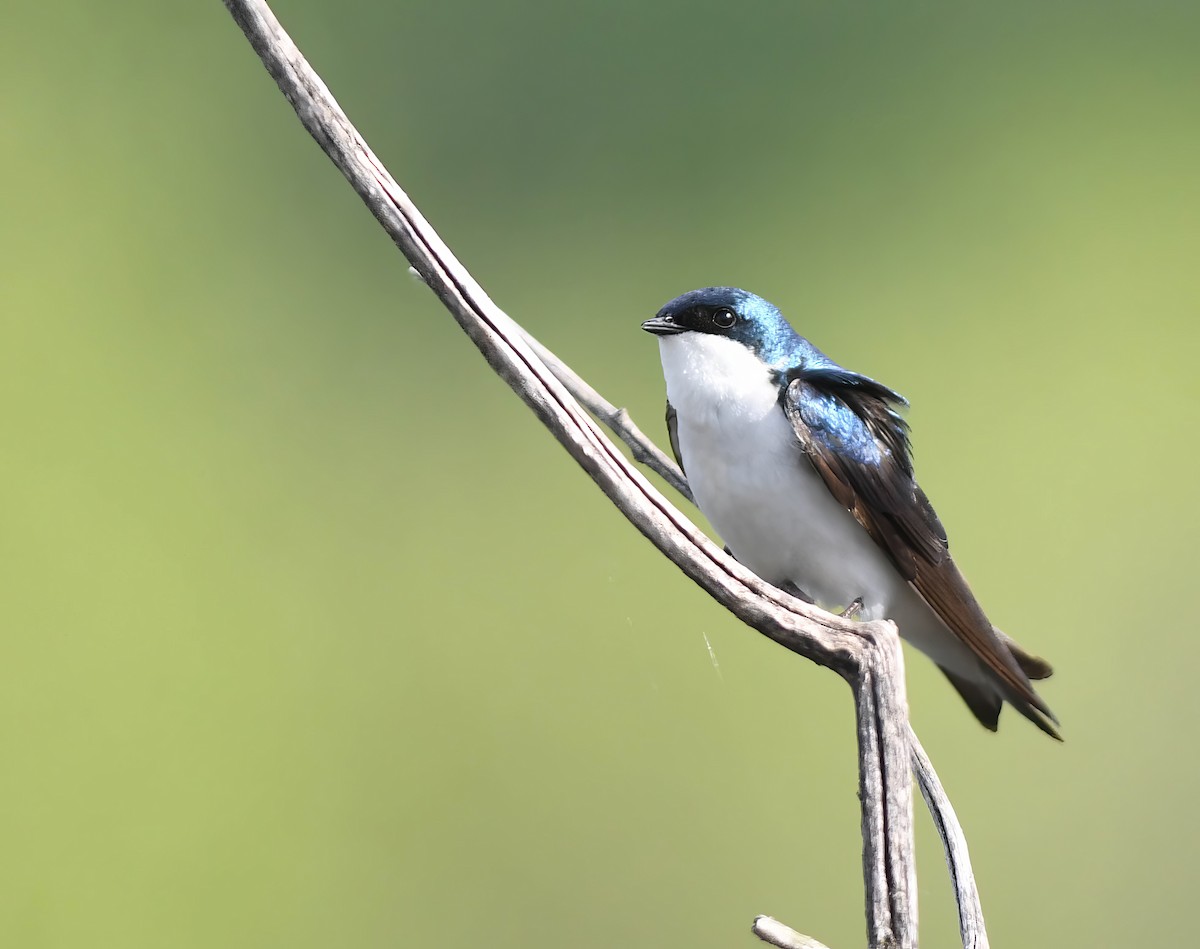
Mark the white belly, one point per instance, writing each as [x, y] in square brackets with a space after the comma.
[769, 504]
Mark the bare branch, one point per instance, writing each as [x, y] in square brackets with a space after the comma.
[883, 722]
[775, 933]
[867, 655]
[954, 843]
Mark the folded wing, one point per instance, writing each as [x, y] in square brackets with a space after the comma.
[850, 429]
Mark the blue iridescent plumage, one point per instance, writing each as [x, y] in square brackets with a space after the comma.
[839, 428]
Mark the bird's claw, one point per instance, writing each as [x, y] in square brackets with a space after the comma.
[853, 609]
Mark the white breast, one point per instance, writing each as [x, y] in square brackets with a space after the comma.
[767, 502]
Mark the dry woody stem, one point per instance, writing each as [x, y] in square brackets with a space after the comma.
[866, 655]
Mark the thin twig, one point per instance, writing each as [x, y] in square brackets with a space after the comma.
[775, 933]
[617, 421]
[966, 895]
[861, 653]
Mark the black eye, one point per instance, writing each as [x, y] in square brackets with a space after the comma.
[724, 318]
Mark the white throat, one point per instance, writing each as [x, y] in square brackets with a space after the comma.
[709, 376]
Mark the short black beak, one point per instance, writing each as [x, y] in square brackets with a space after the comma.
[663, 326]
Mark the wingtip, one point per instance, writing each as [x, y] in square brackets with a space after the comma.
[1045, 721]
[1033, 708]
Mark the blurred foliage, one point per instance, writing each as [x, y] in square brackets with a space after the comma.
[314, 637]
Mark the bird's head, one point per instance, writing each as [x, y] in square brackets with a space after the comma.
[733, 314]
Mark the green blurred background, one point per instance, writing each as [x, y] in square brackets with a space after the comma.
[314, 637]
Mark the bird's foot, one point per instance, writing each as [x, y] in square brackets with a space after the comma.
[853, 609]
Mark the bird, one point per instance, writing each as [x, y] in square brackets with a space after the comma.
[804, 469]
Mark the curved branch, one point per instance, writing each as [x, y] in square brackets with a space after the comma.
[867, 655]
[954, 843]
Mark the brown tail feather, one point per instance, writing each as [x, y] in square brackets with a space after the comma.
[984, 702]
[1033, 666]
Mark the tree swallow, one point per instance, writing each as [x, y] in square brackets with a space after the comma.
[804, 468]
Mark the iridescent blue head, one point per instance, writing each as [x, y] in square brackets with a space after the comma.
[740, 316]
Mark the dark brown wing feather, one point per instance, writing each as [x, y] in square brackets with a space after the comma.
[876, 485]
[673, 435]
